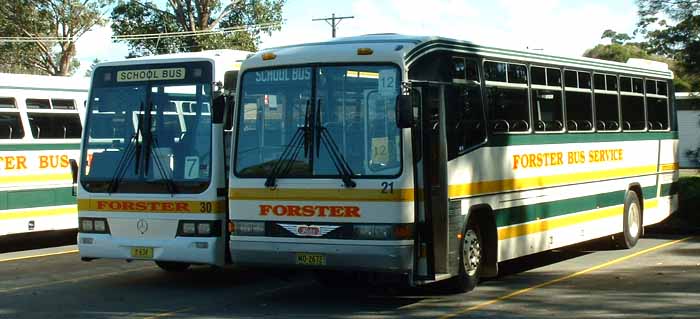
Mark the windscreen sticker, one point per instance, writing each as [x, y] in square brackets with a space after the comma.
[380, 150]
[191, 167]
[387, 83]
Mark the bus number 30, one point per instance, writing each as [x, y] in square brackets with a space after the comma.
[205, 207]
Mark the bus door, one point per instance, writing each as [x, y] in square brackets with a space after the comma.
[430, 165]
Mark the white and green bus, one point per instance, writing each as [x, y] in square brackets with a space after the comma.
[40, 127]
[431, 158]
[152, 182]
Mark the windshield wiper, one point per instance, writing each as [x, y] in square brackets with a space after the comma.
[290, 153]
[167, 178]
[132, 148]
[341, 165]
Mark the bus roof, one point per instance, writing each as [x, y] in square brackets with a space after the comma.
[229, 59]
[407, 49]
[43, 82]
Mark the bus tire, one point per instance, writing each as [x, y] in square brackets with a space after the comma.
[631, 221]
[172, 266]
[471, 259]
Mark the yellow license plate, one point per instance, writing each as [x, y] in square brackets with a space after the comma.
[311, 259]
[142, 252]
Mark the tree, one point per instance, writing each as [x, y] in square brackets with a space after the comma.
[621, 49]
[234, 24]
[677, 38]
[88, 72]
[50, 29]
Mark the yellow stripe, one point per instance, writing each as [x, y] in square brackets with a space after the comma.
[669, 167]
[46, 212]
[148, 206]
[459, 190]
[564, 221]
[560, 279]
[544, 181]
[318, 194]
[31, 178]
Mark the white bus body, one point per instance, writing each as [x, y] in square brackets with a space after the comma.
[152, 185]
[40, 127]
[496, 165]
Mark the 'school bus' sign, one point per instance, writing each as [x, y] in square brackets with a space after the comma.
[151, 74]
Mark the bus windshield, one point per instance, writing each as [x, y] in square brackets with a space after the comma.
[323, 117]
[150, 136]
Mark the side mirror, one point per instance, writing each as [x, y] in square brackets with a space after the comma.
[404, 112]
[74, 173]
[218, 109]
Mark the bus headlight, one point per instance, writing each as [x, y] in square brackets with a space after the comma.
[247, 228]
[199, 228]
[93, 225]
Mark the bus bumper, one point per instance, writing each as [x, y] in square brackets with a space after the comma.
[196, 250]
[385, 257]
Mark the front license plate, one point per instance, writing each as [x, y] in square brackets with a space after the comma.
[311, 259]
[142, 252]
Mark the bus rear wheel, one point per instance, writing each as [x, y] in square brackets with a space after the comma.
[631, 221]
[172, 266]
[471, 259]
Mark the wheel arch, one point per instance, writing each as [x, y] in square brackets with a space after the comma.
[483, 215]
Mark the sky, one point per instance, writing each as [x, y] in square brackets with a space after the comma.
[561, 27]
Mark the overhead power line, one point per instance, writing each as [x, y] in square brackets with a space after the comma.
[146, 36]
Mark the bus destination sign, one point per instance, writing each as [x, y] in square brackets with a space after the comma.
[151, 74]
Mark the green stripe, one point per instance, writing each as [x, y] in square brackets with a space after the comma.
[527, 213]
[669, 189]
[39, 147]
[533, 139]
[36, 198]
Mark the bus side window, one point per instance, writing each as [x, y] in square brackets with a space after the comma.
[465, 120]
[579, 101]
[507, 96]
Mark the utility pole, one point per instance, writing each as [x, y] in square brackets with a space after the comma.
[332, 22]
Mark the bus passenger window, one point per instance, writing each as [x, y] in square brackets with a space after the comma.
[63, 104]
[547, 110]
[579, 103]
[607, 108]
[38, 104]
[10, 126]
[465, 122]
[508, 109]
[633, 113]
[7, 103]
[47, 125]
[657, 106]
[495, 71]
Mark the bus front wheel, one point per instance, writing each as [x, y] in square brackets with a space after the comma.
[172, 266]
[471, 259]
[632, 221]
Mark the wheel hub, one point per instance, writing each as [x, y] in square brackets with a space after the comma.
[471, 252]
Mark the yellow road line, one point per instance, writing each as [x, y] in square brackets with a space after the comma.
[37, 256]
[169, 314]
[73, 280]
[554, 281]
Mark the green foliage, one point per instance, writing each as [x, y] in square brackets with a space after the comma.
[620, 50]
[689, 199]
[677, 38]
[88, 72]
[66, 19]
[136, 18]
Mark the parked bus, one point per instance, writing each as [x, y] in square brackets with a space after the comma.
[432, 158]
[153, 175]
[40, 127]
